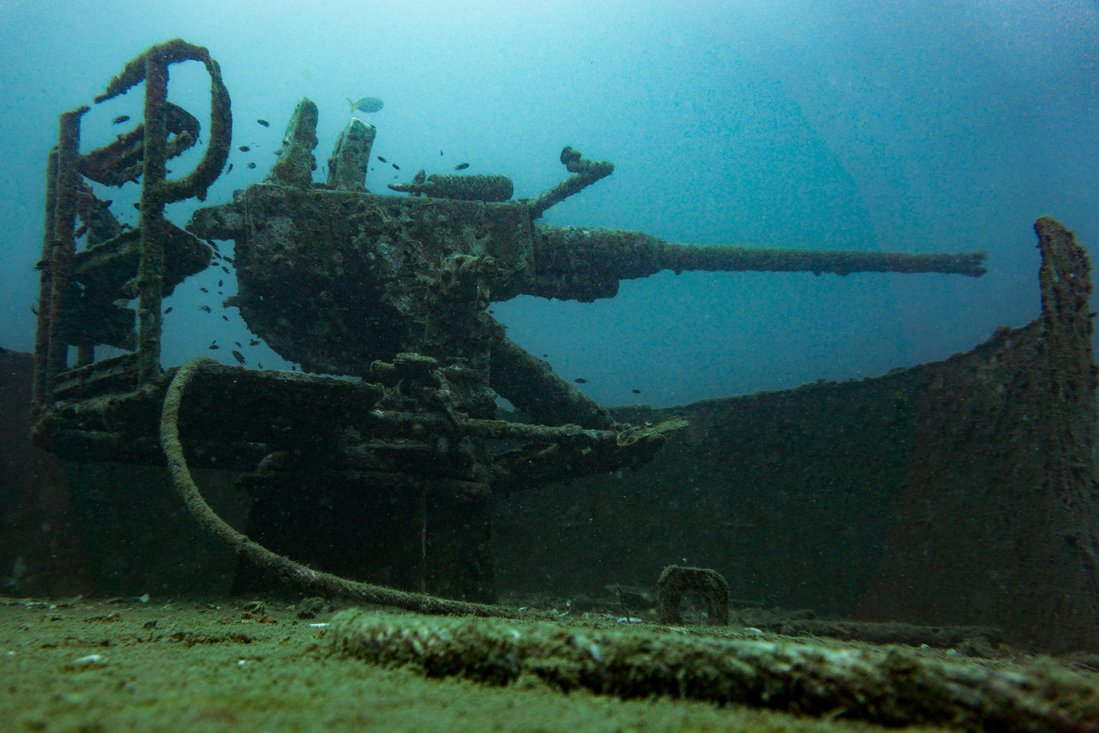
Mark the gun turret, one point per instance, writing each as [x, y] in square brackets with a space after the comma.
[335, 278]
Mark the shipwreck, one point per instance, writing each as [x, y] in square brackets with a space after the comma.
[384, 298]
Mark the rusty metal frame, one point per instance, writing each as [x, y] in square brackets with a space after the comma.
[66, 168]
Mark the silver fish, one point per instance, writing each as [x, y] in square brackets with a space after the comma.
[366, 104]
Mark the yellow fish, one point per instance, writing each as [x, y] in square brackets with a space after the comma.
[366, 104]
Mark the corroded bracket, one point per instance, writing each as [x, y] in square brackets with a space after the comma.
[296, 162]
[351, 156]
[584, 173]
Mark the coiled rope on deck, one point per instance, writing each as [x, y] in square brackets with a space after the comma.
[288, 571]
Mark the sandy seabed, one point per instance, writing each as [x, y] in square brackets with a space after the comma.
[93, 665]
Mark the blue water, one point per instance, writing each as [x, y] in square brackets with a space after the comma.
[923, 126]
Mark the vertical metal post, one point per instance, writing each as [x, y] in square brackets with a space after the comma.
[45, 287]
[150, 277]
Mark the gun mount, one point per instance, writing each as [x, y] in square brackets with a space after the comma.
[391, 289]
[335, 279]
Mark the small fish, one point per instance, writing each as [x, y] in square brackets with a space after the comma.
[205, 308]
[440, 153]
[225, 318]
[382, 159]
[580, 380]
[259, 364]
[253, 342]
[204, 290]
[244, 148]
[229, 169]
[265, 123]
[120, 119]
[636, 391]
[367, 104]
[461, 166]
[226, 269]
[238, 344]
[228, 259]
[238, 356]
[137, 206]
[220, 282]
[396, 167]
[81, 231]
[213, 244]
[251, 165]
[213, 347]
[167, 310]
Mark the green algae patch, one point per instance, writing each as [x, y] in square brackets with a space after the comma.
[215, 667]
[888, 685]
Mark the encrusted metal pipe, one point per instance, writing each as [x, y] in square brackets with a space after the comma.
[62, 243]
[45, 288]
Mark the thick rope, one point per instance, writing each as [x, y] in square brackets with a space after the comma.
[287, 570]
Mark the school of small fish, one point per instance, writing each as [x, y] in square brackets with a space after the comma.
[365, 104]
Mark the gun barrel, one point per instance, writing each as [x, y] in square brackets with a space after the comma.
[726, 258]
[586, 264]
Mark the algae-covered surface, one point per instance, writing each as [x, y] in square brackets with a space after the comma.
[116, 665]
